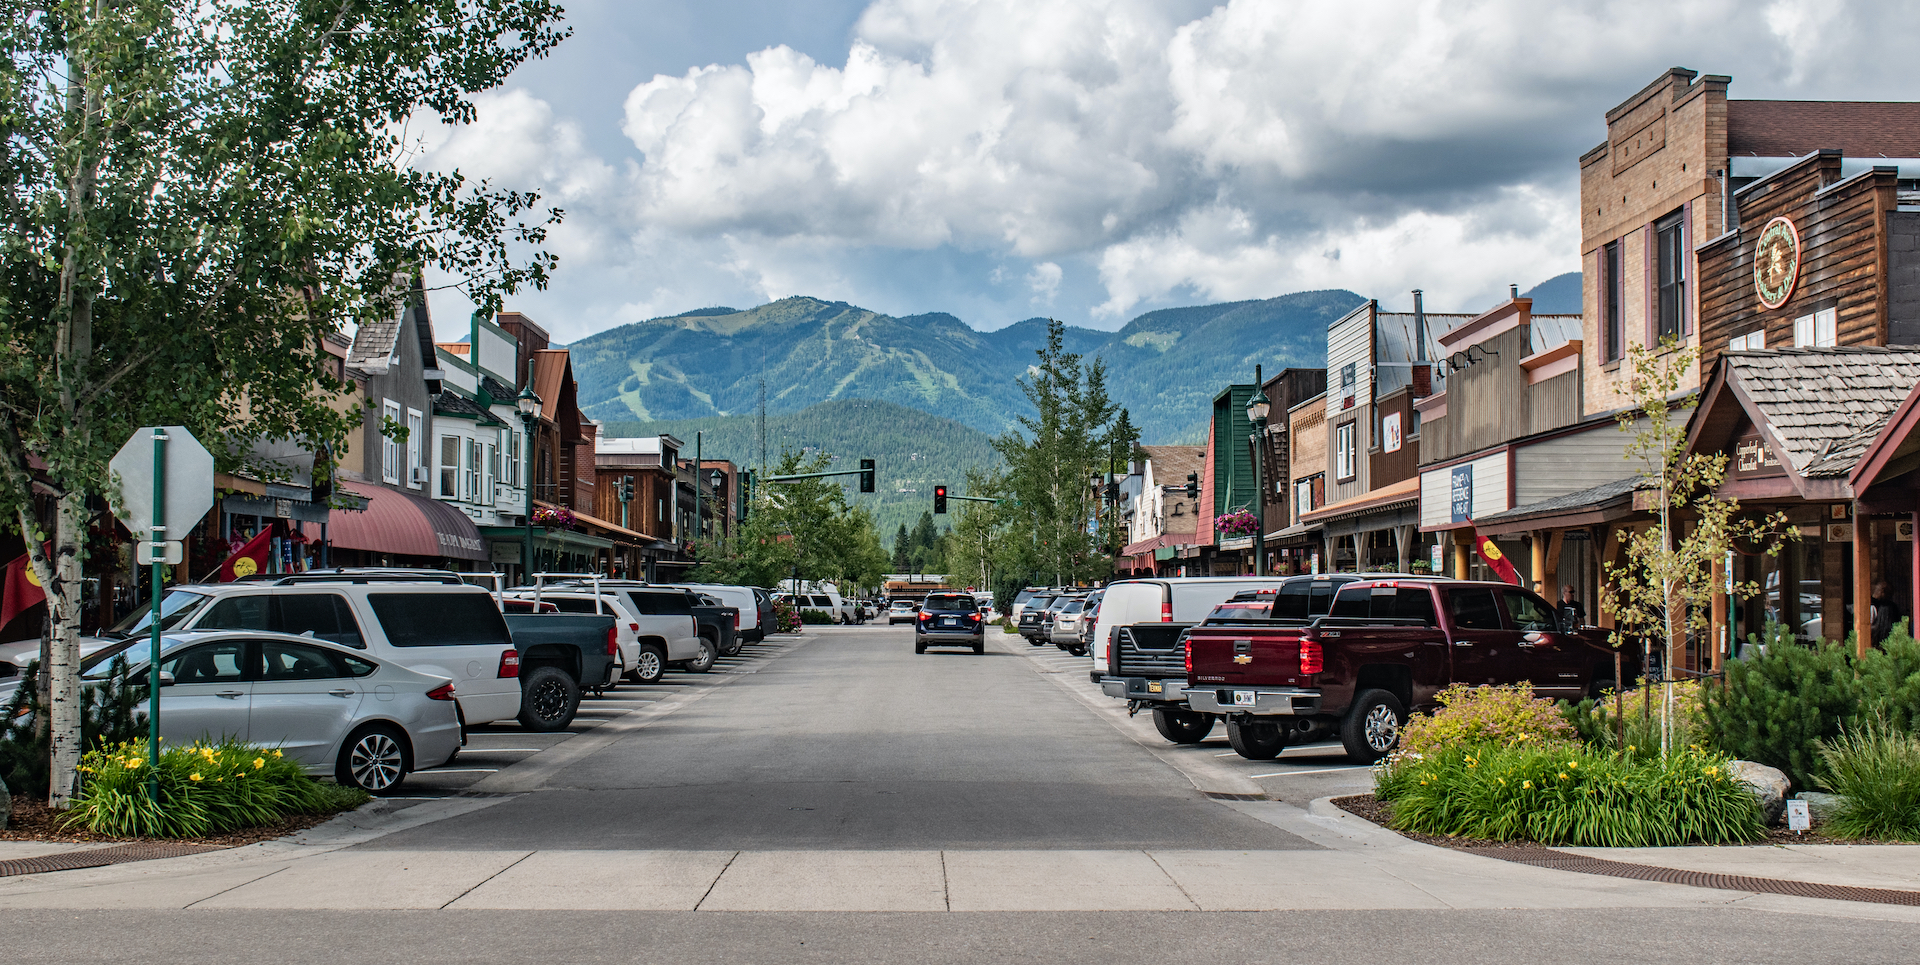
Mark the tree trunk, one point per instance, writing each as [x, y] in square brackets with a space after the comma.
[63, 669]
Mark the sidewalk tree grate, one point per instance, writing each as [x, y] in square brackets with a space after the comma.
[100, 857]
[1562, 861]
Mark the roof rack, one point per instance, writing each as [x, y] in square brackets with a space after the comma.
[353, 575]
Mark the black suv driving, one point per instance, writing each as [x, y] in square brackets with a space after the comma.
[949, 620]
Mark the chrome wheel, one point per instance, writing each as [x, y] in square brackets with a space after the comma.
[704, 660]
[376, 761]
[1381, 727]
[647, 666]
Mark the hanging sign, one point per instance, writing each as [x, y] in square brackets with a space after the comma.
[1776, 262]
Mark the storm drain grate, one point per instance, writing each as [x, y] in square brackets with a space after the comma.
[99, 857]
[1562, 861]
[1230, 796]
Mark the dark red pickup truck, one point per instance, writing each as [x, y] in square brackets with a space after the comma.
[1387, 647]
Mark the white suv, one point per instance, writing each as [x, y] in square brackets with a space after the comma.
[655, 625]
[446, 629]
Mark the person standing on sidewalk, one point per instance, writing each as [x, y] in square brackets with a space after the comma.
[1572, 607]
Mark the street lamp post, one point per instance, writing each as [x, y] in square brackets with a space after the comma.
[529, 406]
[1257, 409]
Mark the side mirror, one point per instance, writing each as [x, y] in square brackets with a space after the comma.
[166, 679]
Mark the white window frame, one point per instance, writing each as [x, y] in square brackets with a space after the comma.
[1345, 444]
[1753, 341]
[470, 454]
[1818, 330]
[448, 474]
[416, 430]
[489, 474]
[389, 449]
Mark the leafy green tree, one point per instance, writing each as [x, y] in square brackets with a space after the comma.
[195, 195]
[1664, 587]
[1051, 461]
[805, 529]
[902, 551]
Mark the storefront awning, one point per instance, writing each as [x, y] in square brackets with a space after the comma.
[405, 525]
[1394, 496]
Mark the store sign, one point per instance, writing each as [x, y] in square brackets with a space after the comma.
[1753, 457]
[1390, 434]
[1839, 532]
[1438, 558]
[1460, 487]
[1776, 262]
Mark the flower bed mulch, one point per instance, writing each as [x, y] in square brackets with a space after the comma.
[1381, 813]
[33, 820]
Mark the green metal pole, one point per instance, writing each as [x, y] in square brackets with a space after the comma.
[158, 537]
[526, 423]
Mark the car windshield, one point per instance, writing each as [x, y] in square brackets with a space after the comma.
[177, 607]
[1073, 607]
[98, 664]
[949, 603]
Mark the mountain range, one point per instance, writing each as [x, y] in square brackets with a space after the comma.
[1164, 366]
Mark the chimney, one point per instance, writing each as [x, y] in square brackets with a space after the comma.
[1513, 292]
[1419, 329]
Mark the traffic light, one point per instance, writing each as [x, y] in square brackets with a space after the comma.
[1113, 492]
[939, 499]
[1193, 485]
[866, 475]
[626, 489]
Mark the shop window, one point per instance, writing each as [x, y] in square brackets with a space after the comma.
[416, 442]
[490, 471]
[1613, 336]
[389, 449]
[449, 467]
[472, 452]
[1671, 258]
[1346, 455]
[1818, 330]
[1751, 342]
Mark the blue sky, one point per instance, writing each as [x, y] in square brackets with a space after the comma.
[1094, 159]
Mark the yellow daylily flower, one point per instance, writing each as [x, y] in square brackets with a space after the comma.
[194, 776]
[259, 762]
[1527, 785]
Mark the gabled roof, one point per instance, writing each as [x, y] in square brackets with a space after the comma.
[1826, 405]
[374, 341]
[454, 404]
[1172, 463]
[553, 369]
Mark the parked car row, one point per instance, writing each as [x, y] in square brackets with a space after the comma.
[1343, 656]
[369, 674]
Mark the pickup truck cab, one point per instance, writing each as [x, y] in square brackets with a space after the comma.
[1145, 663]
[656, 625]
[1385, 649]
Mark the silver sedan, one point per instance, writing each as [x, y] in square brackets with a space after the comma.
[332, 708]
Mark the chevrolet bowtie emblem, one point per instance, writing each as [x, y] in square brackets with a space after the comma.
[1243, 658]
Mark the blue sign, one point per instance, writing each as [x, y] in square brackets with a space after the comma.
[1462, 493]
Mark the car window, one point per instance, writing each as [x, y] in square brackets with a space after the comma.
[949, 603]
[1353, 604]
[1529, 612]
[326, 616]
[575, 604]
[284, 660]
[222, 662]
[821, 601]
[660, 603]
[242, 612]
[1291, 602]
[1414, 603]
[176, 608]
[440, 619]
[1474, 609]
[1074, 607]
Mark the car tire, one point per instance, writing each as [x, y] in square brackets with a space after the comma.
[739, 641]
[980, 645]
[1371, 729]
[376, 759]
[1182, 726]
[1256, 740]
[704, 662]
[650, 664]
[548, 699]
[1036, 643]
[1078, 650]
[919, 645]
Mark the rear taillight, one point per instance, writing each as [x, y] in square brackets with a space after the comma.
[926, 616]
[1189, 649]
[442, 692]
[973, 617]
[1166, 611]
[736, 619]
[613, 642]
[509, 663]
[1310, 659]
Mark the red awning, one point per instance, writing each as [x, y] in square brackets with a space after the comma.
[405, 525]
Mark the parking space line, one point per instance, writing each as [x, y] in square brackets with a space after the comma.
[458, 770]
[504, 750]
[1323, 770]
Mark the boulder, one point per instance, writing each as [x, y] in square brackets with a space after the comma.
[1768, 784]
[1821, 806]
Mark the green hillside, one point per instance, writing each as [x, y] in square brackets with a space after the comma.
[1165, 366]
[913, 451]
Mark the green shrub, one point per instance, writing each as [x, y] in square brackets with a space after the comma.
[1875, 768]
[1776, 709]
[816, 618]
[1482, 715]
[204, 789]
[111, 711]
[1570, 796]
[1593, 719]
[1890, 682]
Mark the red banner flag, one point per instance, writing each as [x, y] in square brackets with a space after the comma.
[250, 558]
[20, 590]
[1490, 552]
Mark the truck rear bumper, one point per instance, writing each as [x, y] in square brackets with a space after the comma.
[1263, 702]
[1145, 688]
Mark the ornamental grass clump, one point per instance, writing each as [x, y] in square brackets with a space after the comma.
[1485, 715]
[1875, 768]
[204, 789]
[1570, 796]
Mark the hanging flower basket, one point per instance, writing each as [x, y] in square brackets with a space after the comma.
[554, 517]
[1237, 523]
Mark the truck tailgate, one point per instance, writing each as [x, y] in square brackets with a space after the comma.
[1256, 656]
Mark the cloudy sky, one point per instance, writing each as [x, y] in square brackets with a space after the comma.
[1093, 159]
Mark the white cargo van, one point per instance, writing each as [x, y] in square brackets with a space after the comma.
[1174, 599]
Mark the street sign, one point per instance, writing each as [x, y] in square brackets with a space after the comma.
[172, 552]
[189, 482]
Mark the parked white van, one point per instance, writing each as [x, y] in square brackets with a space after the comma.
[1174, 599]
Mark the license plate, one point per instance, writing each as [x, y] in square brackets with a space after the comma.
[949, 623]
[1244, 698]
[1153, 687]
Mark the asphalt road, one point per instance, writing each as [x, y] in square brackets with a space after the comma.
[852, 741]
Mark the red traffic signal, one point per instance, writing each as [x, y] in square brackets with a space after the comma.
[939, 499]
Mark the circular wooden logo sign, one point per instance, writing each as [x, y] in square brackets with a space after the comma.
[1776, 262]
